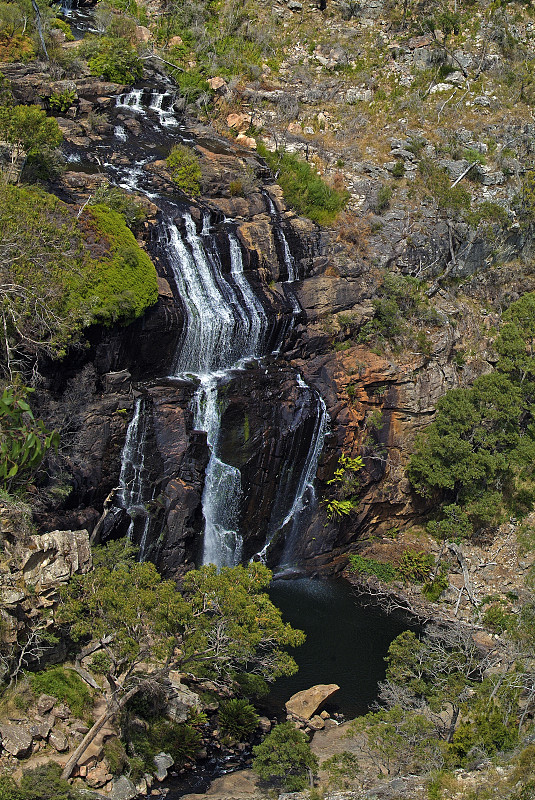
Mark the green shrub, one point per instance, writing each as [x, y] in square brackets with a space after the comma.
[432, 589]
[180, 739]
[64, 27]
[415, 566]
[67, 686]
[116, 60]
[124, 283]
[303, 188]
[9, 789]
[369, 566]
[185, 169]
[497, 619]
[44, 783]
[336, 509]
[60, 102]
[489, 212]
[237, 718]
[236, 188]
[341, 768]
[382, 202]
[192, 85]
[285, 758]
[80, 270]
[24, 440]
[398, 170]
[450, 200]
[115, 756]
[124, 203]
[252, 685]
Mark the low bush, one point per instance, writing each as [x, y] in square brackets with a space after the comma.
[369, 566]
[285, 759]
[415, 567]
[79, 271]
[180, 739]
[67, 686]
[116, 60]
[123, 203]
[115, 756]
[185, 169]
[44, 783]
[60, 102]
[303, 188]
[237, 718]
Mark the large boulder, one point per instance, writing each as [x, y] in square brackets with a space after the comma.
[162, 762]
[304, 705]
[180, 699]
[123, 789]
[16, 739]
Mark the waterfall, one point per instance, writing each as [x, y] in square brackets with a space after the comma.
[134, 491]
[131, 100]
[226, 325]
[159, 102]
[295, 495]
[222, 486]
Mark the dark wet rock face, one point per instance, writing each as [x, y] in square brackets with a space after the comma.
[376, 403]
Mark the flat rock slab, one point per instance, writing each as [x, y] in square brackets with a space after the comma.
[304, 705]
[16, 739]
[234, 786]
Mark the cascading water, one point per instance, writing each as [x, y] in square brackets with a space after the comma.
[226, 327]
[222, 488]
[134, 489]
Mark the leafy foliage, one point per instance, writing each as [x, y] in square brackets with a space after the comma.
[24, 440]
[237, 718]
[180, 739]
[477, 456]
[116, 60]
[223, 622]
[451, 200]
[343, 485]
[284, 758]
[398, 740]
[44, 782]
[123, 203]
[303, 188]
[61, 101]
[77, 272]
[369, 566]
[185, 170]
[232, 608]
[28, 131]
[341, 768]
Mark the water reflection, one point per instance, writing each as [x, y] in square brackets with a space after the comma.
[346, 643]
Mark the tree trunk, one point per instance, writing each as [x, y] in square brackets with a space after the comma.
[91, 734]
[453, 723]
[39, 27]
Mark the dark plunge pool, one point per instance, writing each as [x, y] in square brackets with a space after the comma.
[346, 643]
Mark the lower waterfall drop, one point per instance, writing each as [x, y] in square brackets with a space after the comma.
[133, 492]
[222, 487]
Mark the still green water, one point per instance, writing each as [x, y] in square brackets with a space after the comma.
[346, 643]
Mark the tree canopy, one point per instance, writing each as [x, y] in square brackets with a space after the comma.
[135, 626]
[477, 456]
